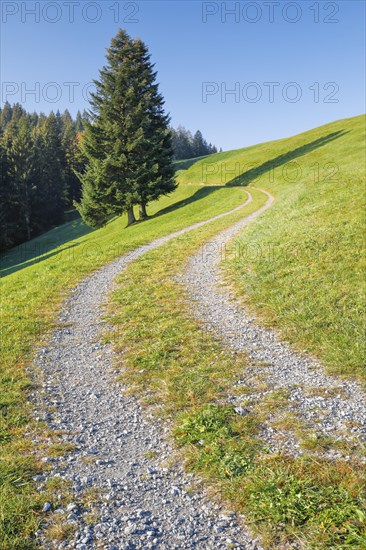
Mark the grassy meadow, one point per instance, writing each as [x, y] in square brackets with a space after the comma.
[301, 266]
[182, 372]
[35, 278]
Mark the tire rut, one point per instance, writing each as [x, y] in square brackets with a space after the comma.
[121, 454]
[325, 405]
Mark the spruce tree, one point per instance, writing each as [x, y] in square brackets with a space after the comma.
[79, 126]
[127, 142]
[182, 143]
[50, 180]
[6, 114]
[200, 146]
[38, 156]
[20, 162]
[8, 221]
[185, 146]
[70, 143]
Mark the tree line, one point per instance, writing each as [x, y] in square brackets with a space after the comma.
[188, 146]
[104, 163]
[39, 156]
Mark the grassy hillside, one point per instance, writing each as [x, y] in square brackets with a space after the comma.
[307, 501]
[187, 163]
[301, 265]
[35, 278]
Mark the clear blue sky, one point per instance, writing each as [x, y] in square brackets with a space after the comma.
[201, 51]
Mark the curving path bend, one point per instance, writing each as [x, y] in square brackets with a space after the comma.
[141, 500]
[325, 404]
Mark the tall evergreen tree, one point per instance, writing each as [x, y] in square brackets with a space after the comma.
[200, 146]
[182, 143]
[38, 156]
[51, 180]
[20, 161]
[6, 114]
[33, 119]
[79, 125]
[127, 143]
[185, 146]
[8, 225]
[17, 113]
[71, 158]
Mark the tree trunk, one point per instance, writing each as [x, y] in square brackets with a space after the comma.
[143, 213]
[131, 216]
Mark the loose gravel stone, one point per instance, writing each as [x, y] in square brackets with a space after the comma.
[138, 500]
[46, 507]
[280, 366]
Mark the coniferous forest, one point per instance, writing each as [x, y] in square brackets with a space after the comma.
[39, 156]
[188, 146]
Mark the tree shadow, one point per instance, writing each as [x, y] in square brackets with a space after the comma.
[187, 163]
[198, 195]
[42, 247]
[258, 171]
[48, 245]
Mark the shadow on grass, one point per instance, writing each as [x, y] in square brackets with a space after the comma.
[42, 247]
[48, 245]
[198, 195]
[258, 171]
[187, 163]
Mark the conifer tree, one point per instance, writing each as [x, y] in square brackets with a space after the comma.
[200, 146]
[6, 114]
[50, 172]
[20, 162]
[8, 225]
[185, 146]
[127, 142]
[38, 155]
[79, 127]
[70, 153]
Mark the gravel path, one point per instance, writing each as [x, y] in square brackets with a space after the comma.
[325, 404]
[141, 500]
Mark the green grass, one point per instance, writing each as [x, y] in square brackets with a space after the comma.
[35, 279]
[180, 370]
[187, 163]
[301, 266]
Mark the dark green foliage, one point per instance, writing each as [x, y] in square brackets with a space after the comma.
[20, 175]
[6, 219]
[38, 156]
[80, 121]
[6, 114]
[182, 143]
[127, 142]
[72, 159]
[187, 146]
[50, 172]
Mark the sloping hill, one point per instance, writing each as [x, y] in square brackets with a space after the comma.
[35, 278]
[187, 163]
[301, 265]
